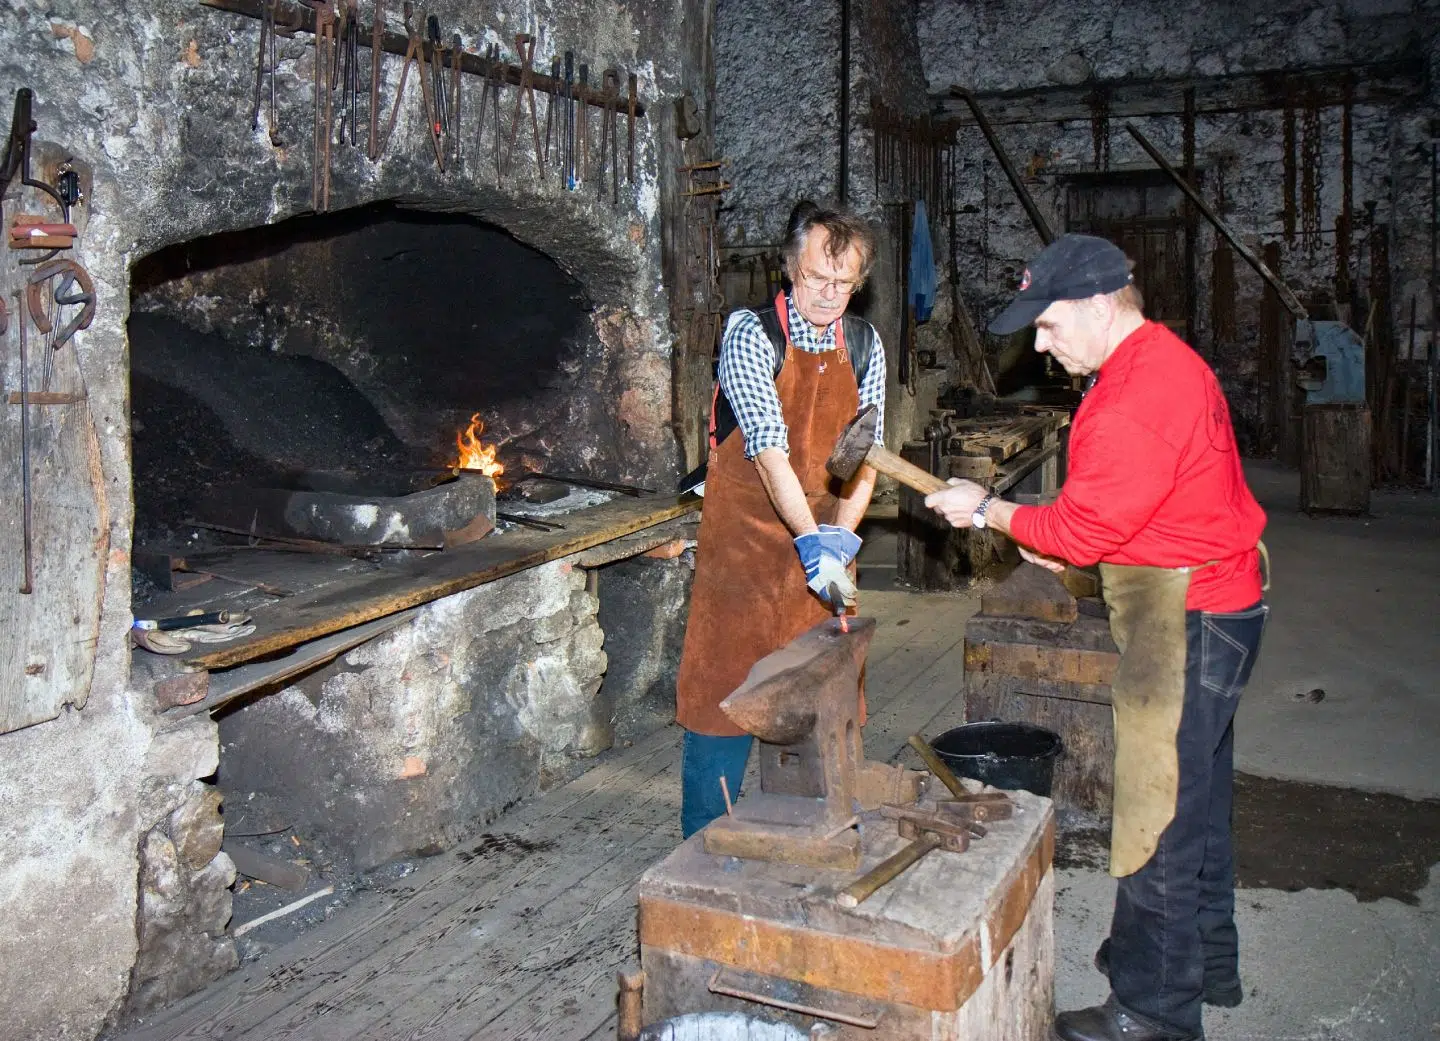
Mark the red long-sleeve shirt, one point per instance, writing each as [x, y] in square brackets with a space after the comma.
[1154, 476]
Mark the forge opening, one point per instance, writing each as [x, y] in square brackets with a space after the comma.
[362, 342]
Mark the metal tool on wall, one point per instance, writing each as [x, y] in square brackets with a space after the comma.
[550, 109]
[610, 92]
[414, 54]
[377, 51]
[457, 52]
[349, 71]
[441, 124]
[265, 66]
[568, 178]
[324, 106]
[525, 47]
[43, 292]
[631, 102]
[16, 161]
[583, 122]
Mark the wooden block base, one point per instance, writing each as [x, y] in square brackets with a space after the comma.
[958, 946]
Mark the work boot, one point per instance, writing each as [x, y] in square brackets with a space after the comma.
[1111, 1022]
[1219, 993]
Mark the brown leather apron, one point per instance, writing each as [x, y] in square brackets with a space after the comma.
[749, 597]
[1147, 695]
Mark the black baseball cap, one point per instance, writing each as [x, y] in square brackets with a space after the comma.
[1073, 267]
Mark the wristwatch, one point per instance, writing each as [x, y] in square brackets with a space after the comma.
[977, 519]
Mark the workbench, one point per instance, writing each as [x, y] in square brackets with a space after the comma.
[1020, 455]
[959, 946]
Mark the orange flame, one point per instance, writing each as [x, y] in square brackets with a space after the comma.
[474, 453]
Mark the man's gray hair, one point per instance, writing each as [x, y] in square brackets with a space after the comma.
[1129, 298]
[844, 230]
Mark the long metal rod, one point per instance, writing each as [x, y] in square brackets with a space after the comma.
[1430, 446]
[27, 581]
[843, 179]
[1291, 302]
[1041, 225]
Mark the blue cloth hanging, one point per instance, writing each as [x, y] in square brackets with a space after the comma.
[922, 266]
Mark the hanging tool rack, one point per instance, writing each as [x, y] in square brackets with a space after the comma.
[441, 68]
[51, 284]
[910, 155]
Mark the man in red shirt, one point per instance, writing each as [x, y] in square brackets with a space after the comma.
[1156, 496]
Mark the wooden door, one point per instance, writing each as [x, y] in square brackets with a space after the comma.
[1141, 212]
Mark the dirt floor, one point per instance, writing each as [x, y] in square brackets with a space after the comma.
[1293, 836]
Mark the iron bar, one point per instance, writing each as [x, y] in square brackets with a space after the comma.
[1041, 225]
[1291, 302]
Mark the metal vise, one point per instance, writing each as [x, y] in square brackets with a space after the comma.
[1331, 359]
[803, 703]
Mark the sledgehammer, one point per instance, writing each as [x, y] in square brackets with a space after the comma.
[857, 445]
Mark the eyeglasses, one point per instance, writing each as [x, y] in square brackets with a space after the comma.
[816, 284]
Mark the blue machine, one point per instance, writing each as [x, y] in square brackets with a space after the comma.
[1332, 363]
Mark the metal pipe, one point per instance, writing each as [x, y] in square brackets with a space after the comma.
[1430, 448]
[843, 180]
[1292, 304]
[1041, 225]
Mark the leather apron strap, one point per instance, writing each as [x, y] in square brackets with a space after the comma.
[1147, 620]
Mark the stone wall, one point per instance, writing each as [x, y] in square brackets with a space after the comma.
[152, 102]
[420, 736]
[777, 78]
[984, 48]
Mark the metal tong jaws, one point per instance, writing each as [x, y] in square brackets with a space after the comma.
[950, 822]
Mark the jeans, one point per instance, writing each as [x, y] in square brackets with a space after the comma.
[1174, 923]
[703, 761]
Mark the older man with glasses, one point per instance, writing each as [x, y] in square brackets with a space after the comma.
[777, 537]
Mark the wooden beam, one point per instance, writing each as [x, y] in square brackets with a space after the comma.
[1375, 83]
[362, 598]
[301, 17]
[235, 683]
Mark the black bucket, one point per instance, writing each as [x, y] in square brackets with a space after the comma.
[1005, 755]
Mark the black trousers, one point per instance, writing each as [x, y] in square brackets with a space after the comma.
[1174, 923]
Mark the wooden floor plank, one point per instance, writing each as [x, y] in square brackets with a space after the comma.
[938, 686]
[473, 975]
[448, 903]
[532, 928]
[253, 996]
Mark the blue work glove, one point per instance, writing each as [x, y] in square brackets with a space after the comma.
[825, 571]
[842, 540]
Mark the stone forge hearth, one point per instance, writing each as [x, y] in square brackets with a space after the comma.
[359, 342]
[308, 380]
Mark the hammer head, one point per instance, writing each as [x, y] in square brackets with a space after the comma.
[854, 443]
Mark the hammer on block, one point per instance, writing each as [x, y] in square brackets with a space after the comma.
[858, 445]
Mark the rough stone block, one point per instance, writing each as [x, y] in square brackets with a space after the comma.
[197, 828]
[185, 751]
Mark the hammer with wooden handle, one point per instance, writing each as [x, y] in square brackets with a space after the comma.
[857, 445]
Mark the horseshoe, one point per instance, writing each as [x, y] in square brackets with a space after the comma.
[71, 273]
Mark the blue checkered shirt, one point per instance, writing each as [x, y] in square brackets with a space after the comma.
[747, 377]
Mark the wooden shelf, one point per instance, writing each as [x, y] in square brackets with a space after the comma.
[350, 596]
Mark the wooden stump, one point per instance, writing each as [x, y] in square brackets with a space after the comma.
[1335, 460]
[961, 945]
[1033, 656]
